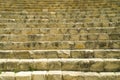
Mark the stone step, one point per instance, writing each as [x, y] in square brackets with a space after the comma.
[58, 37]
[53, 7]
[59, 75]
[102, 22]
[94, 65]
[40, 54]
[111, 16]
[103, 12]
[57, 45]
[12, 24]
[73, 31]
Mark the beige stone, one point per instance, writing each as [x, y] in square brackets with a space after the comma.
[6, 54]
[51, 54]
[7, 76]
[41, 64]
[92, 76]
[54, 75]
[112, 54]
[92, 37]
[39, 75]
[77, 54]
[54, 64]
[21, 54]
[63, 54]
[117, 74]
[80, 45]
[99, 54]
[107, 76]
[23, 76]
[68, 64]
[11, 64]
[103, 37]
[112, 65]
[97, 65]
[38, 54]
[26, 64]
[69, 75]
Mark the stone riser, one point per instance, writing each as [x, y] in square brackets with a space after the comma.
[94, 65]
[57, 45]
[52, 31]
[59, 75]
[60, 25]
[58, 37]
[40, 54]
[108, 12]
[46, 21]
[54, 16]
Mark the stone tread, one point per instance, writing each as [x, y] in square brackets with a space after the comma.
[59, 75]
[71, 64]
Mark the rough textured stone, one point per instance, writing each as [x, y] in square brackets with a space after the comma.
[38, 54]
[40, 64]
[23, 76]
[107, 76]
[93, 76]
[52, 75]
[52, 54]
[113, 65]
[64, 54]
[77, 54]
[54, 64]
[80, 45]
[70, 65]
[73, 76]
[39, 75]
[97, 65]
[103, 37]
[21, 54]
[7, 76]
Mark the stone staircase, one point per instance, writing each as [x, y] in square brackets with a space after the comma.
[59, 40]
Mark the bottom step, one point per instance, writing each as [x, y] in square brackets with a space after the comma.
[59, 75]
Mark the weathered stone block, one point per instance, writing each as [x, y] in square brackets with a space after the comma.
[38, 54]
[11, 65]
[107, 76]
[73, 75]
[23, 76]
[80, 45]
[51, 54]
[7, 76]
[112, 65]
[64, 54]
[54, 75]
[39, 75]
[26, 65]
[21, 54]
[92, 76]
[6, 54]
[99, 54]
[77, 54]
[103, 37]
[97, 65]
[41, 64]
[54, 64]
[70, 65]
